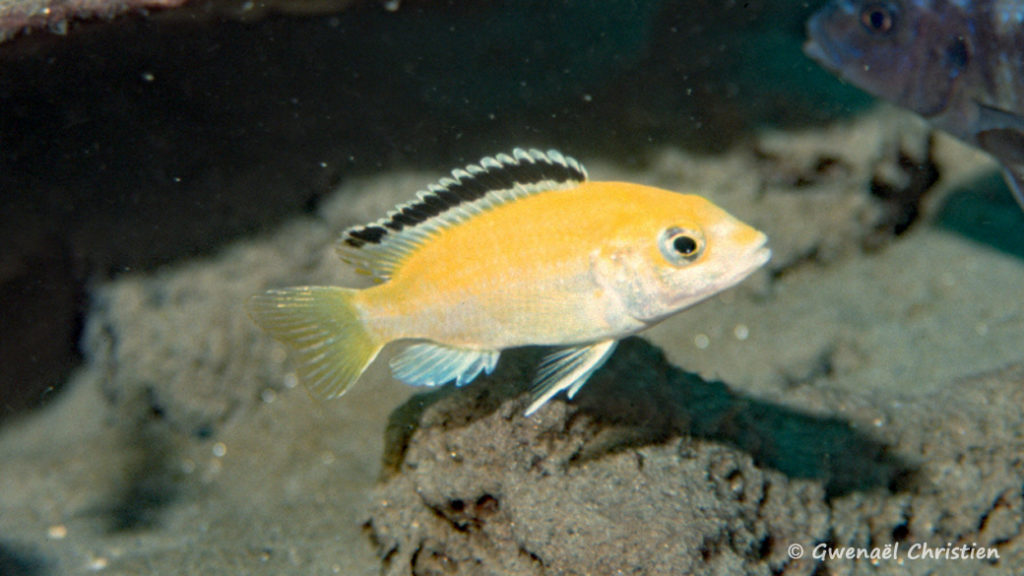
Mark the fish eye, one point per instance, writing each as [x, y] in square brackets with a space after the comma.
[680, 246]
[878, 17]
[684, 245]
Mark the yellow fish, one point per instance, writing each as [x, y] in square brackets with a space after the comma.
[516, 250]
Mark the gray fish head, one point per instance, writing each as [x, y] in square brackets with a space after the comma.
[909, 52]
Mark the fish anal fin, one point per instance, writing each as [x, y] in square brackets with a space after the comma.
[568, 369]
[430, 364]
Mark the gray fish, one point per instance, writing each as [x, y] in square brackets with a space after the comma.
[958, 63]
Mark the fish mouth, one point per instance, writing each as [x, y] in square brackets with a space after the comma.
[757, 257]
[814, 51]
[761, 254]
[816, 47]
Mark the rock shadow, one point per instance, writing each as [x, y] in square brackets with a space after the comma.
[152, 481]
[984, 211]
[16, 561]
[639, 399]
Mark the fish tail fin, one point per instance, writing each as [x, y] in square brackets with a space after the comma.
[322, 326]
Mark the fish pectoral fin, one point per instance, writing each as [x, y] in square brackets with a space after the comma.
[568, 369]
[1015, 180]
[991, 118]
[1001, 134]
[430, 364]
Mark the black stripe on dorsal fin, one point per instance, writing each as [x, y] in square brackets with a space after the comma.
[501, 172]
[379, 247]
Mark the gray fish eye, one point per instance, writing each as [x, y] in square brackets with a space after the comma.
[878, 17]
[681, 246]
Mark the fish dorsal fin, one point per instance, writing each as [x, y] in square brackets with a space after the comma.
[379, 248]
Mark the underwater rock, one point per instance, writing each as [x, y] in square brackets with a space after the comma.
[965, 487]
[17, 16]
[179, 343]
[655, 471]
[624, 479]
[852, 186]
[20, 16]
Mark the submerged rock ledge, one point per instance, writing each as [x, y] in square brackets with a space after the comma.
[655, 471]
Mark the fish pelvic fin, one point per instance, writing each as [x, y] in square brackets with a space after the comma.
[568, 369]
[322, 327]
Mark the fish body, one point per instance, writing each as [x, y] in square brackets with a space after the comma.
[516, 250]
[958, 63]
